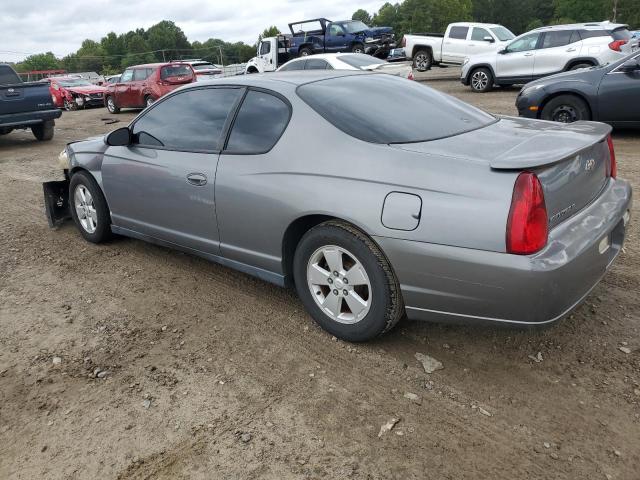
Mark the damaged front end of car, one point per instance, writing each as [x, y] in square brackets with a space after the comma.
[56, 195]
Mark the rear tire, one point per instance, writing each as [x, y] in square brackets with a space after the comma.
[305, 52]
[89, 208]
[368, 304]
[44, 131]
[566, 109]
[148, 101]
[422, 60]
[578, 66]
[111, 105]
[481, 80]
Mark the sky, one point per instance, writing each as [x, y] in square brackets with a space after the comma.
[37, 26]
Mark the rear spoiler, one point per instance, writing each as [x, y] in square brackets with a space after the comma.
[552, 145]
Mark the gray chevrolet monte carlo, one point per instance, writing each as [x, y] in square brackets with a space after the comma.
[373, 195]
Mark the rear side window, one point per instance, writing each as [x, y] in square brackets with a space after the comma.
[316, 64]
[458, 32]
[389, 109]
[261, 121]
[621, 34]
[192, 120]
[290, 66]
[593, 33]
[7, 75]
[175, 71]
[557, 39]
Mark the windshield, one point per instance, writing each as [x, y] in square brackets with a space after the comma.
[502, 33]
[360, 61]
[74, 82]
[353, 27]
[175, 71]
[389, 109]
[204, 66]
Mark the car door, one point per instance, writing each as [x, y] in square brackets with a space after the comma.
[516, 61]
[266, 58]
[336, 38]
[480, 41]
[249, 194]
[162, 184]
[454, 45]
[619, 97]
[122, 88]
[556, 50]
[137, 87]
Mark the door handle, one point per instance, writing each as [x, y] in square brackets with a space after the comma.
[197, 179]
[572, 49]
[528, 54]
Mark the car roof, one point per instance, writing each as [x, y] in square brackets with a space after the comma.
[584, 26]
[156, 65]
[270, 80]
[475, 24]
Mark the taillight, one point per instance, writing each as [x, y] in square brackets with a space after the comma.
[613, 166]
[404, 42]
[616, 44]
[527, 225]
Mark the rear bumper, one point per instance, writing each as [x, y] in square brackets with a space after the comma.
[451, 284]
[28, 118]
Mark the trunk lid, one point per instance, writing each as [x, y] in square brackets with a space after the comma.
[24, 97]
[571, 160]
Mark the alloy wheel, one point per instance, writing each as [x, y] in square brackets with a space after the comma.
[479, 80]
[111, 106]
[149, 101]
[85, 209]
[339, 284]
[422, 61]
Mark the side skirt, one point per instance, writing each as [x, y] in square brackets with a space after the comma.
[260, 273]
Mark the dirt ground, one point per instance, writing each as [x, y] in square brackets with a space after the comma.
[211, 374]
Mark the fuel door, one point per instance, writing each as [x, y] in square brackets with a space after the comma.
[401, 211]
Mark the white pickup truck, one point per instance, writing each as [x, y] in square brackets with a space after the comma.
[461, 40]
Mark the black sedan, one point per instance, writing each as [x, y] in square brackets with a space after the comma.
[610, 94]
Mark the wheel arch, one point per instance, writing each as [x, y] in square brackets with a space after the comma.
[560, 93]
[576, 61]
[417, 48]
[476, 67]
[301, 225]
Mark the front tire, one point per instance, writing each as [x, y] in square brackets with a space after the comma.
[481, 80]
[357, 48]
[89, 208]
[148, 101]
[111, 105]
[422, 60]
[305, 52]
[44, 131]
[566, 109]
[346, 283]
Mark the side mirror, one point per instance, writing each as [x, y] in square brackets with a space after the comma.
[631, 65]
[489, 39]
[119, 138]
[503, 51]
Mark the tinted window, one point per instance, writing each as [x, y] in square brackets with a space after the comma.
[593, 33]
[315, 64]
[176, 71]
[528, 42]
[478, 34]
[140, 74]
[360, 60]
[265, 47]
[191, 120]
[621, 34]
[388, 109]
[298, 65]
[7, 75]
[126, 76]
[558, 38]
[458, 32]
[260, 122]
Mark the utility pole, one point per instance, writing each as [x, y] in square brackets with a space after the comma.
[615, 10]
[163, 59]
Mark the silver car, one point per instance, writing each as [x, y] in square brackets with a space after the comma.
[373, 195]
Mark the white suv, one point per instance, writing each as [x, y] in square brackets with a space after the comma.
[546, 51]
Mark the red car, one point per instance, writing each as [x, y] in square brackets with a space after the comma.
[141, 85]
[73, 93]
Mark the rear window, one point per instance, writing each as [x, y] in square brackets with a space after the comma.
[458, 32]
[175, 71]
[621, 34]
[360, 60]
[294, 65]
[7, 75]
[389, 109]
[558, 38]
